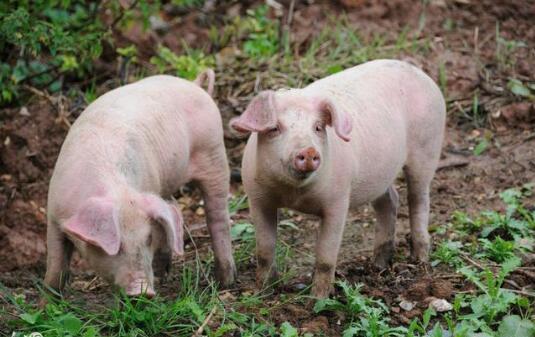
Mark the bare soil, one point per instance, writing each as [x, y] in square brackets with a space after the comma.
[462, 35]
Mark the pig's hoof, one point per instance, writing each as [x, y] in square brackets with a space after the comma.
[383, 255]
[226, 275]
[266, 279]
[381, 262]
[420, 253]
[322, 291]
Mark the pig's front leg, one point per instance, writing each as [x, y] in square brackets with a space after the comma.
[59, 252]
[161, 263]
[215, 194]
[265, 220]
[327, 247]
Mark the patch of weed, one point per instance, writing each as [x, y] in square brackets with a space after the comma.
[186, 66]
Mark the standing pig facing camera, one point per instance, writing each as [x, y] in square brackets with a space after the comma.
[130, 149]
[335, 145]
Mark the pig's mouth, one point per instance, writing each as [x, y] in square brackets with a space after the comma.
[299, 175]
[140, 287]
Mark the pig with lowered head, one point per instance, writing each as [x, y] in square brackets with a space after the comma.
[130, 149]
[335, 145]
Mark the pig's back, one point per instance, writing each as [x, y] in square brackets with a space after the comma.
[157, 100]
[141, 134]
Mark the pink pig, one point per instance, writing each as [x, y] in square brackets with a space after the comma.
[335, 145]
[128, 149]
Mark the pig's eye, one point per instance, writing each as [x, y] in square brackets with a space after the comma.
[149, 240]
[274, 131]
[319, 128]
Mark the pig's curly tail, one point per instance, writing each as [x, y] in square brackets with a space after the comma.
[207, 74]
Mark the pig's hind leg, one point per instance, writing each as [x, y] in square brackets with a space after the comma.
[386, 207]
[59, 252]
[424, 145]
[419, 172]
[214, 184]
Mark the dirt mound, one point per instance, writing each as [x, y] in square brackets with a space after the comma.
[31, 138]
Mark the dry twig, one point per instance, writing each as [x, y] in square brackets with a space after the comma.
[205, 322]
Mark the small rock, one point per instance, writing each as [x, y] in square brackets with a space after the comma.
[24, 111]
[234, 10]
[299, 286]
[158, 24]
[440, 305]
[406, 305]
[200, 211]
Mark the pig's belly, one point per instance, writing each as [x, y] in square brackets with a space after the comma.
[374, 178]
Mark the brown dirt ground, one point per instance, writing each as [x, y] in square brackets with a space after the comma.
[31, 138]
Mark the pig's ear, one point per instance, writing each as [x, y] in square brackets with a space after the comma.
[338, 118]
[96, 223]
[259, 116]
[169, 217]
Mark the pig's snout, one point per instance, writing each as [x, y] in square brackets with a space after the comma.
[307, 161]
[140, 287]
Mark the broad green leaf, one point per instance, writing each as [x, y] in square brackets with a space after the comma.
[91, 332]
[350, 332]
[71, 324]
[30, 318]
[287, 330]
[240, 230]
[514, 326]
[518, 88]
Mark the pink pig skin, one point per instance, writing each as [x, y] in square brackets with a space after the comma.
[335, 145]
[129, 149]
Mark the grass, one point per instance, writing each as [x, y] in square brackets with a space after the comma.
[485, 252]
[124, 316]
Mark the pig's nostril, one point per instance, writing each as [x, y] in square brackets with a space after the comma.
[300, 157]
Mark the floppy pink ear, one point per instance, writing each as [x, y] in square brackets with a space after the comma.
[96, 223]
[339, 119]
[259, 116]
[169, 217]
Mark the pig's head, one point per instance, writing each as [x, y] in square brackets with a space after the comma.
[293, 132]
[120, 237]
